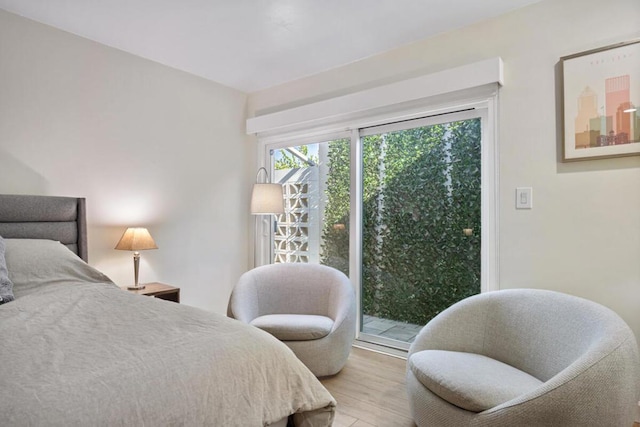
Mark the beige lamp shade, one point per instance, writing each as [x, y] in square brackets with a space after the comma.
[267, 199]
[136, 239]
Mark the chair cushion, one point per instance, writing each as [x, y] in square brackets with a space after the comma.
[470, 381]
[294, 327]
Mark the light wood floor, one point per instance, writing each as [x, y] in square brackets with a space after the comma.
[370, 391]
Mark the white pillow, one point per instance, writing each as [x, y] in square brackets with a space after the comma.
[294, 327]
[470, 381]
[33, 263]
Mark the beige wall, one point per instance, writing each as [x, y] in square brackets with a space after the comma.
[583, 235]
[145, 144]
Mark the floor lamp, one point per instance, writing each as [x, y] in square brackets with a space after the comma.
[266, 199]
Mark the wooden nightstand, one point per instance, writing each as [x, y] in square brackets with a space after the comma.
[159, 290]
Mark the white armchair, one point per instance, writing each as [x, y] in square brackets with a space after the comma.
[309, 307]
[524, 357]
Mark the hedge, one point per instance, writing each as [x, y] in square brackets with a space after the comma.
[421, 189]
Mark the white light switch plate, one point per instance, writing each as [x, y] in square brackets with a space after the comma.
[524, 198]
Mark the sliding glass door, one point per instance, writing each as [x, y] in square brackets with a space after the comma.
[397, 208]
[421, 205]
[315, 226]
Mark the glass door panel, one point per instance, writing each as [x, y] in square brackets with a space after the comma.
[315, 225]
[421, 206]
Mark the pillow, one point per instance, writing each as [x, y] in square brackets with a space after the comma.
[33, 263]
[470, 381]
[294, 327]
[6, 286]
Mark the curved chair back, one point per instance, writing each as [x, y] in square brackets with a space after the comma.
[537, 331]
[290, 288]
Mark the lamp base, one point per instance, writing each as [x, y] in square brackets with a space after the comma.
[135, 287]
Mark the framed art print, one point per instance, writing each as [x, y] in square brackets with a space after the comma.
[601, 97]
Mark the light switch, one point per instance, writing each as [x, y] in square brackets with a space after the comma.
[524, 198]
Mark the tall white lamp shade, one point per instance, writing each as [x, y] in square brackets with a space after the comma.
[267, 199]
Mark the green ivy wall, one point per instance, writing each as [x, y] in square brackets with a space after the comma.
[421, 190]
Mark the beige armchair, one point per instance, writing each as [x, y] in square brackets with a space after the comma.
[309, 307]
[524, 357]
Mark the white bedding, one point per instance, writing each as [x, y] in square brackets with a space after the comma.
[76, 350]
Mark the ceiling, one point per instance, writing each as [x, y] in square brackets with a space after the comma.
[255, 44]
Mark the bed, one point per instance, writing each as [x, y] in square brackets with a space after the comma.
[77, 350]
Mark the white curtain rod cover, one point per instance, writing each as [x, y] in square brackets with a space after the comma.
[336, 109]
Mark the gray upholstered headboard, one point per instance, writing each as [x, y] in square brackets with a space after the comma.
[45, 217]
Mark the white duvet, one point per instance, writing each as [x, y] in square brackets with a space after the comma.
[75, 350]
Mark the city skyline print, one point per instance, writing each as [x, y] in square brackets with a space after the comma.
[601, 89]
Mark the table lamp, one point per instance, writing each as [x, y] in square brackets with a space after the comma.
[136, 239]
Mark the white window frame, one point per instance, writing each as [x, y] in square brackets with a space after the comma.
[487, 226]
[475, 88]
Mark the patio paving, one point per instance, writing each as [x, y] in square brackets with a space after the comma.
[400, 331]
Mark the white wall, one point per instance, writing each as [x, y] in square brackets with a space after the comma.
[583, 235]
[145, 144]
